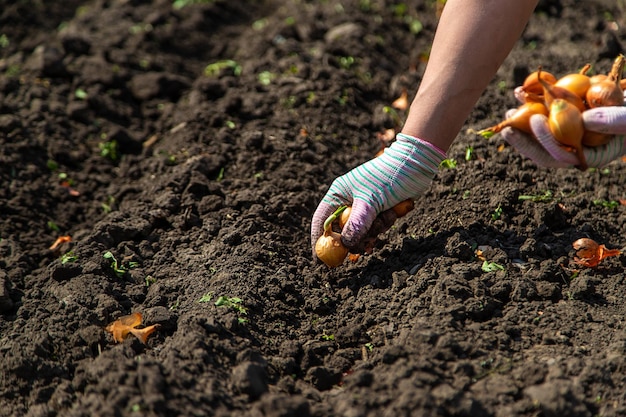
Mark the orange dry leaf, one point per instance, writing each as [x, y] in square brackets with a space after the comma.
[402, 102]
[121, 327]
[589, 253]
[60, 240]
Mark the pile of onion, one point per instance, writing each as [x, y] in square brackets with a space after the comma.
[563, 100]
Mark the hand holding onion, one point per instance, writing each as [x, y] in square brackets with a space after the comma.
[330, 249]
[583, 113]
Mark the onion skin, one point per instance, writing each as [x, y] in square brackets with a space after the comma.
[589, 253]
[566, 125]
[330, 250]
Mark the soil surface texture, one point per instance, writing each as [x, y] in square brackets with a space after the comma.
[183, 147]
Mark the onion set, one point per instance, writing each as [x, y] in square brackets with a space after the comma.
[329, 248]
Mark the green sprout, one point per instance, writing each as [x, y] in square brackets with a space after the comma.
[606, 204]
[346, 62]
[393, 114]
[216, 68]
[448, 163]
[497, 213]
[265, 77]
[4, 41]
[116, 266]
[80, 94]
[68, 257]
[53, 226]
[328, 337]
[150, 280]
[491, 267]
[179, 4]
[469, 153]
[206, 297]
[109, 150]
[52, 165]
[537, 198]
[235, 303]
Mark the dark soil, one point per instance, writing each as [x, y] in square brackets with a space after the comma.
[202, 186]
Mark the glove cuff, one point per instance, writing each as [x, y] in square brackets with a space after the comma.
[428, 148]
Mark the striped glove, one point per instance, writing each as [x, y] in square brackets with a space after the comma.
[405, 170]
[546, 152]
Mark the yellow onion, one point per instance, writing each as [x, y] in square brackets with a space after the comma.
[608, 91]
[329, 248]
[519, 120]
[576, 83]
[403, 207]
[566, 125]
[531, 83]
[551, 92]
[592, 139]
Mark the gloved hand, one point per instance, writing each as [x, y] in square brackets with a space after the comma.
[405, 170]
[545, 151]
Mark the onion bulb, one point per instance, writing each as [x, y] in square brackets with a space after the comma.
[607, 91]
[532, 85]
[566, 125]
[329, 248]
[593, 139]
[576, 83]
[519, 120]
[403, 207]
[551, 92]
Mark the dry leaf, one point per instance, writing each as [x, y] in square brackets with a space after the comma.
[402, 102]
[121, 327]
[60, 240]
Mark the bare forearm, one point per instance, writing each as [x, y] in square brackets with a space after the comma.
[472, 40]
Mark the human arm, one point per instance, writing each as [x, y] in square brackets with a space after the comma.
[472, 40]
